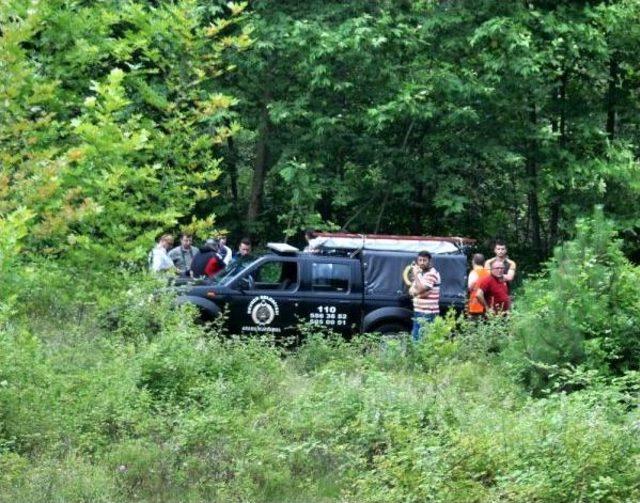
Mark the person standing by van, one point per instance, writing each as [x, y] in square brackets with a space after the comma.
[425, 290]
[493, 290]
[243, 257]
[207, 262]
[508, 265]
[475, 308]
[159, 260]
[183, 255]
[224, 251]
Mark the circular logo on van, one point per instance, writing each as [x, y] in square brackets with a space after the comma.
[263, 310]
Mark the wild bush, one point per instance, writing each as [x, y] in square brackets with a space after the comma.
[582, 312]
[469, 449]
[125, 399]
[55, 480]
[194, 417]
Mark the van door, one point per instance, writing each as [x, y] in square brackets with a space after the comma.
[264, 302]
[331, 294]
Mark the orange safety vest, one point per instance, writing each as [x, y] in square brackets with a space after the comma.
[475, 306]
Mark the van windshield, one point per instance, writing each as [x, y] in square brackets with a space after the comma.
[229, 272]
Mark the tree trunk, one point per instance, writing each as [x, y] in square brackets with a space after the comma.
[532, 194]
[611, 97]
[514, 206]
[381, 212]
[260, 169]
[233, 170]
[558, 195]
[419, 209]
[534, 205]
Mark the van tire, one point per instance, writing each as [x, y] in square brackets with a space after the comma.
[391, 328]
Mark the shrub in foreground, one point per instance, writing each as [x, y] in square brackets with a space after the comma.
[154, 408]
[584, 312]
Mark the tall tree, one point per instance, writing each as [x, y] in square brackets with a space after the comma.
[482, 118]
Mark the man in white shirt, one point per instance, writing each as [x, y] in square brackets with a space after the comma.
[159, 260]
[224, 251]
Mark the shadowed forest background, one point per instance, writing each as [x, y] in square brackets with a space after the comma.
[122, 120]
[474, 118]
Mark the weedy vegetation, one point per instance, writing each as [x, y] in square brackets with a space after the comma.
[121, 120]
[109, 394]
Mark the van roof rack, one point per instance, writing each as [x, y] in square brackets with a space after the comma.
[387, 242]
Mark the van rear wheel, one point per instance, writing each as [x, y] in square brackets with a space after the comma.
[392, 328]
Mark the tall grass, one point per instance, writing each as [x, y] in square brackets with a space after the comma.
[121, 398]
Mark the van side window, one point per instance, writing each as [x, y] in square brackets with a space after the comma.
[276, 276]
[327, 277]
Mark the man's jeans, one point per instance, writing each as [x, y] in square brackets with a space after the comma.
[427, 317]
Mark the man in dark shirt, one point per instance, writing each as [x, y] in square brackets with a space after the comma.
[243, 257]
[208, 262]
[493, 291]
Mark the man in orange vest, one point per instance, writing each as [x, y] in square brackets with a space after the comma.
[475, 307]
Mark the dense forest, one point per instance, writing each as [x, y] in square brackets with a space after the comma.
[474, 118]
[121, 120]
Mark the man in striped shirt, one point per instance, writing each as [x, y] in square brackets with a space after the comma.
[425, 291]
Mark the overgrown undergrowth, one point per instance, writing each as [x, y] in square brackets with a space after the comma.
[119, 398]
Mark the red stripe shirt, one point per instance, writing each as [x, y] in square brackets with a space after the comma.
[427, 301]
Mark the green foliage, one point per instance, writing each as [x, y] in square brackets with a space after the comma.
[124, 399]
[481, 119]
[583, 312]
[135, 401]
[304, 191]
[475, 451]
[112, 117]
[59, 480]
[437, 345]
[120, 119]
[13, 229]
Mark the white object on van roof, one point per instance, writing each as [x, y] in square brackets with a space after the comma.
[282, 248]
[435, 245]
